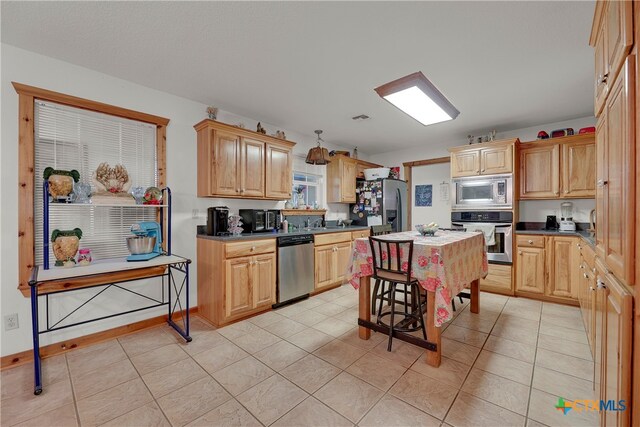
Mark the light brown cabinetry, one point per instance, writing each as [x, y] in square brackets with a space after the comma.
[616, 174]
[235, 279]
[547, 266]
[332, 252]
[360, 233]
[341, 180]
[238, 163]
[491, 159]
[498, 280]
[558, 168]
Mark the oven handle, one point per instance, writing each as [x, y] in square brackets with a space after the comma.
[462, 224]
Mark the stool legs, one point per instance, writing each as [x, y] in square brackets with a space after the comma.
[391, 323]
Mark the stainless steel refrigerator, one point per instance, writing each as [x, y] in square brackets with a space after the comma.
[383, 201]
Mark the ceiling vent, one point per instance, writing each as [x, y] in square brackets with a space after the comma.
[361, 117]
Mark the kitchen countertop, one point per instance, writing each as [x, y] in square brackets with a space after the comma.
[262, 236]
[587, 236]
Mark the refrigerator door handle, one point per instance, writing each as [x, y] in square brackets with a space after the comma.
[399, 225]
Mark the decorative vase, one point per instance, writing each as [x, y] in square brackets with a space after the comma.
[65, 246]
[61, 182]
[301, 204]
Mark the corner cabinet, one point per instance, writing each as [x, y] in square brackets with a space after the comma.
[558, 168]
[237, 163]
[235, 279]
[490, 158]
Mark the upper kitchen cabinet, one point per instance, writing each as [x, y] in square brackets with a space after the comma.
[237, 163]
[341, 179]
[612, 38]
[491, 158]
[558, 168]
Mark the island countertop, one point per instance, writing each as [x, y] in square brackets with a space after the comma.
[279, 233]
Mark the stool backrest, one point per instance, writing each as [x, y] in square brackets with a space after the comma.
[378, 230]
[394, 250]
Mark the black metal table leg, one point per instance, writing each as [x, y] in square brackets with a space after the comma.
[36, 339]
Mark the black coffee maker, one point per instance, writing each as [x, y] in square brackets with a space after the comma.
[217, 220]
[552, 223]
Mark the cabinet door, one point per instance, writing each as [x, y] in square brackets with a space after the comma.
[601, 71]
[348, 181]
[619, 34]
[540, 172]
[530, 270]
[279, 178]
[616, 353]
[252, 168]
[238, 292]
[601, 178]
[226, 168]
[619, 181]
[496, 160]
[465, 163]
[263, 280]
[563, 267]
[579, 169]
[342, 258]
[324, 266]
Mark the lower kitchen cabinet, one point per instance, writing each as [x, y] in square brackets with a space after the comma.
[498, 280]
[332, 252]
[547, 266]
[235, 279]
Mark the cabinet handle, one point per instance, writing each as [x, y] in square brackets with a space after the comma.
[253, 248]
[591, 288]
[602, 183]
[530, 242]
[519, 252]
[581, 267]
[586, 276]
[237, 190]
[556, 193]
[482, 170]
[602, 78]
[566, 191]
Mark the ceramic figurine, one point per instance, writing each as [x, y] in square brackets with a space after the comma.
[111, 179]
[65, 246]
[82, 192]
[212, 112]
[260, 129]
[280, 134]
[61, 182]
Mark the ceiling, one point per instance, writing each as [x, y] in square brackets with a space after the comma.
[313, 65]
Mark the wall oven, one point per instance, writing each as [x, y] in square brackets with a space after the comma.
[502, 251]
[259, 220]
[483, 192]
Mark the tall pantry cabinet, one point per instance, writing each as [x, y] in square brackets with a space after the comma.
[615, 91]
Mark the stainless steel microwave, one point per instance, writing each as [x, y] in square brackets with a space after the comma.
[483, 192]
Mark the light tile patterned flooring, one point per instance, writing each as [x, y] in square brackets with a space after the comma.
[304, 365]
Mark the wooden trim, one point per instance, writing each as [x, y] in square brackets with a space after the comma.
[548, 298]
[408, 171]
[61, 347]
[595, 25]
[242, 132]
[86, 104]
[104, 279]
[302, 212]
[26, 168]
[484, 145]
[584, 137]
[435, 161]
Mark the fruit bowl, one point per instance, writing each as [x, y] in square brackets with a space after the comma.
[428, 229]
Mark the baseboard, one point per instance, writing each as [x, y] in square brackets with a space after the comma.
[547, 298]
[84, 341]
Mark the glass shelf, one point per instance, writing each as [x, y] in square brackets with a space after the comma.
[104, 205]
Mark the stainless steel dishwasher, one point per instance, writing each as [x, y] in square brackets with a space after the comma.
[295, 267]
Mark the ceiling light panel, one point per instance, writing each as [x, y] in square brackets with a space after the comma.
[417, 97]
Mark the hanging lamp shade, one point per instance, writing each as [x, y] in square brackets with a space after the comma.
[318, 155]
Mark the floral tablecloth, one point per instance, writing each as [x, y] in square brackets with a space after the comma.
[445, 264]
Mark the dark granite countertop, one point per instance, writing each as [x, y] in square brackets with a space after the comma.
[538, 228]
[273, 235]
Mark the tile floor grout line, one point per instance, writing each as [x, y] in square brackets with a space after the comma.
[535, 357]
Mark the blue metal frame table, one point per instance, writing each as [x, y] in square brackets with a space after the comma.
[170, 288]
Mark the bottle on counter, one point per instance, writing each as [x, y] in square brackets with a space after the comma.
[285, 226]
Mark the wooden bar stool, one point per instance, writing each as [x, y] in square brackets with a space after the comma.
[379, 230]
[389, 268]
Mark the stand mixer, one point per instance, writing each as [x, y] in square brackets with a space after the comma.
[146, 242]
[566, 217]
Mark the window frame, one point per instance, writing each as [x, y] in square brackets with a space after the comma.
[27, 95]
[320, 187]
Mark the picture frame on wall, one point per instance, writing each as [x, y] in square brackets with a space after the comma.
[424, 195]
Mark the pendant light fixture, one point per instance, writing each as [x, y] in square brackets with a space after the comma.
[318, 155]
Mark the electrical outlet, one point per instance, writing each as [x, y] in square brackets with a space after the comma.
[195, 213]
[11, 321]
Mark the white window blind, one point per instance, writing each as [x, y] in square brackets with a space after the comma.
[71, 138]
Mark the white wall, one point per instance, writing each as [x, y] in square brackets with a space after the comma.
[440, 211]
[44, 72]
[533, 210]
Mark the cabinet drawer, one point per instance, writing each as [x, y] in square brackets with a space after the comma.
[530, 241]
[331, 238]
[250, 247]
[359, 234]
[587, 253]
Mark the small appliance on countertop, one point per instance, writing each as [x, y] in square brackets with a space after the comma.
[218, 221]
[146, 242]
[566, 218]
[552, 223]
[260, 220]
